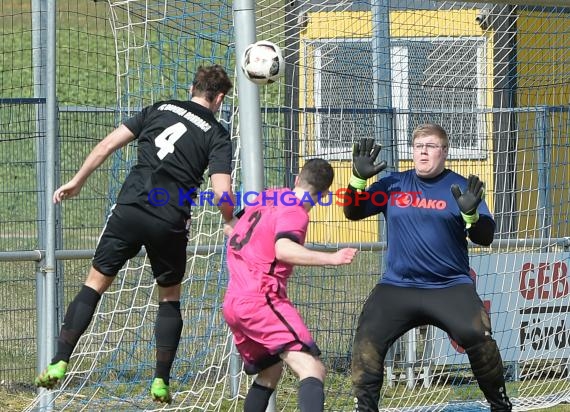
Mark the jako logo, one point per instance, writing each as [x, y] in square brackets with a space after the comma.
[407, 200]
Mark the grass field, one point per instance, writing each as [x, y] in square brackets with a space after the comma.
[15, 400]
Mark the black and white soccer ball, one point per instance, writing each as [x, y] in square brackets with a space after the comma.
[262, 62]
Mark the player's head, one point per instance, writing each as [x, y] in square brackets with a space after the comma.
[316, 176]
[430, 148]
[211, 83]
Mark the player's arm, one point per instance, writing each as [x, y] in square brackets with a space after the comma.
[482, 232]
[480, 228]
[223, 195]
[220, 167]
[229, 226]
[353, 209]
[364, 155]
[118, 138]
[288, 251]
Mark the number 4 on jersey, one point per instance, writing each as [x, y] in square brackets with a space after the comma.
[165, 141]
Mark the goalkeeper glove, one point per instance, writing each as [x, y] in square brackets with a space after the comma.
[469, 200]
[363, 167]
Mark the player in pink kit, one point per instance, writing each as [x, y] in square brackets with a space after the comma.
[265, 244]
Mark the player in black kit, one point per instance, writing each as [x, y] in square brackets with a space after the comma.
[176, 142]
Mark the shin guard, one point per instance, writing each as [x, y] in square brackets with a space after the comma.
[257, 398]
[487, 367]
[311, 395]
[167, 333]
[76, 321]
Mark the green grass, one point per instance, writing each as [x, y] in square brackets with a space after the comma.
[14, 399]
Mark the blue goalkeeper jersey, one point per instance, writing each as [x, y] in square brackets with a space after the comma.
[426, 235]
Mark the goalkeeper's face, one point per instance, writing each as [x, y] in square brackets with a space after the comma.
[429, 153]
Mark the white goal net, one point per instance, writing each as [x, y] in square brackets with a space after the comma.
[495, 75]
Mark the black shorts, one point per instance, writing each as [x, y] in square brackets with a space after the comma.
[390, 311]
[128, 228]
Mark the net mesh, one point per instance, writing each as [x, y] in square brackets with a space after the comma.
[494, 75]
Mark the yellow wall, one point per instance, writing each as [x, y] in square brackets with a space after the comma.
[329, 224]
[539, 52]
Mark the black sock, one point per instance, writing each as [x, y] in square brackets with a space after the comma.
[77, 318]
[257, 398]
[311, 395]
[167, 331]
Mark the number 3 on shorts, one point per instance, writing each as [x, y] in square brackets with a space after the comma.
[165, 141]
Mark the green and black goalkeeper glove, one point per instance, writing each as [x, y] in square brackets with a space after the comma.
[363, 167]
[469, 200]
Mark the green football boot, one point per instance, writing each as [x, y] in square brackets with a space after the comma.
[160, 391]
[51, 375]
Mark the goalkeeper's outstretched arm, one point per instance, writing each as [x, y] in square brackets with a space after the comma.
[482, 232]
[480, 228]
[364, 155]
[353, 209]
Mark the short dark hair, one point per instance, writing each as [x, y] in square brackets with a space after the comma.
[210, 81]
[316, 175]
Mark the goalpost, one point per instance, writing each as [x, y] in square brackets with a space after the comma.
[495, 75]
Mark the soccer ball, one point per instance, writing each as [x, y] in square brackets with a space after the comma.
[262, 62]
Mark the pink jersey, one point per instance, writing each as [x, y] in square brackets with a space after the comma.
[263, 320]
[253, 267]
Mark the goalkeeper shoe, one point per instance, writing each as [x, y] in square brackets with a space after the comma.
[51, 375]
[160, 391]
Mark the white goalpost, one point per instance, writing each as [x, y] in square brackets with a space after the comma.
[495, 75]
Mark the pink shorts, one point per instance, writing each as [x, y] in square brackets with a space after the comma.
[265, 326]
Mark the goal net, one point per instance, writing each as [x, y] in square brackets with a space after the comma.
[496, 76]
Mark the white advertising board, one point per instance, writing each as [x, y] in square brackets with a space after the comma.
[528, 298]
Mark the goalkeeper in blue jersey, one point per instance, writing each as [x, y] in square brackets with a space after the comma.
[430, 212]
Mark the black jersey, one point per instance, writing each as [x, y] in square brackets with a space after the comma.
[177, 142]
